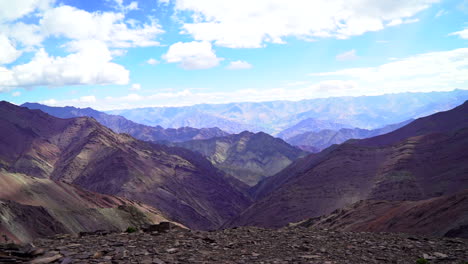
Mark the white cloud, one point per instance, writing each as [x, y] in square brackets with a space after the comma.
[251, 24]
[192, 55]
[88, 99]
[441, 13]
[348, 55]
[8, 52]
[12, 10]
[424, 72]
[135, 87]
[16, 94]
[152, 61]
[239, 65]
[462, 33]
[399, 21]
[108, 27]
[90, 63]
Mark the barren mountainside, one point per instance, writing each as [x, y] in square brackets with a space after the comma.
[430, 161]
[181, 184]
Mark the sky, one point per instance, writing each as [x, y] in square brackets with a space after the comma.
[115, 54]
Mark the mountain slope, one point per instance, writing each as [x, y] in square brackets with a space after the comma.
[32, 207]
[440, 216]
[416, 168]
[122, 125]
[180, 183]
[247, 156]
[322, 139]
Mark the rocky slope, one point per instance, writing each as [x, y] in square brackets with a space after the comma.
[430, 161]
[322, 139]
[247, 156]
[244, 245]
[440, 216]
[122, 125]
[180, 183]
[33, 207]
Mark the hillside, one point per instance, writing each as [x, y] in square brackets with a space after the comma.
[430, 161]
[181, 184]
[122, 125]
[250, 157]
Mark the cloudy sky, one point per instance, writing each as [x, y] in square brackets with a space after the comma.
[110, 54]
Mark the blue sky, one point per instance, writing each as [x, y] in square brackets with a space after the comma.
[115, 54]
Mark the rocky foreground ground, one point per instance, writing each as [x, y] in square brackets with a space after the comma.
[241, 245]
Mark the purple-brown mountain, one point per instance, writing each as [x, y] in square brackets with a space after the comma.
[122, 125]
[322, 139]
[183, 185]
[247, 156]
[422, 160]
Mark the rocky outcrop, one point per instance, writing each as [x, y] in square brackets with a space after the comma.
[250, 157]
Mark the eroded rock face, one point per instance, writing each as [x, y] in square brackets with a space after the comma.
[252, 245]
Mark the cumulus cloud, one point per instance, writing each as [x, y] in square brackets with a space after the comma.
[89, 63]
[10, 10]
[239, 65]
[348, 55]
[108, 27]
[462, 33]
[16, 94]
[193, 55]
[251, 24]
[8, 52]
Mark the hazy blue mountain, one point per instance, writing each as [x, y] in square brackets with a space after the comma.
[367, 112]
[120, 124]
[322, 139]
[309, 125]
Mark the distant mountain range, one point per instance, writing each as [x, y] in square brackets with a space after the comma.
[122, 125]
[425, 159]
[247, 156]
[181, 184]
[368, 112]
[319, 140]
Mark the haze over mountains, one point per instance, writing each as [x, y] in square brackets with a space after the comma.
[367, 112]
[121, 125]
[422, 160]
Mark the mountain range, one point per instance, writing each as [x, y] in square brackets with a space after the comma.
[368, 112]
[122, 125]
[248, 156]
[181, 184]
[420, 161]
[319, 140]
